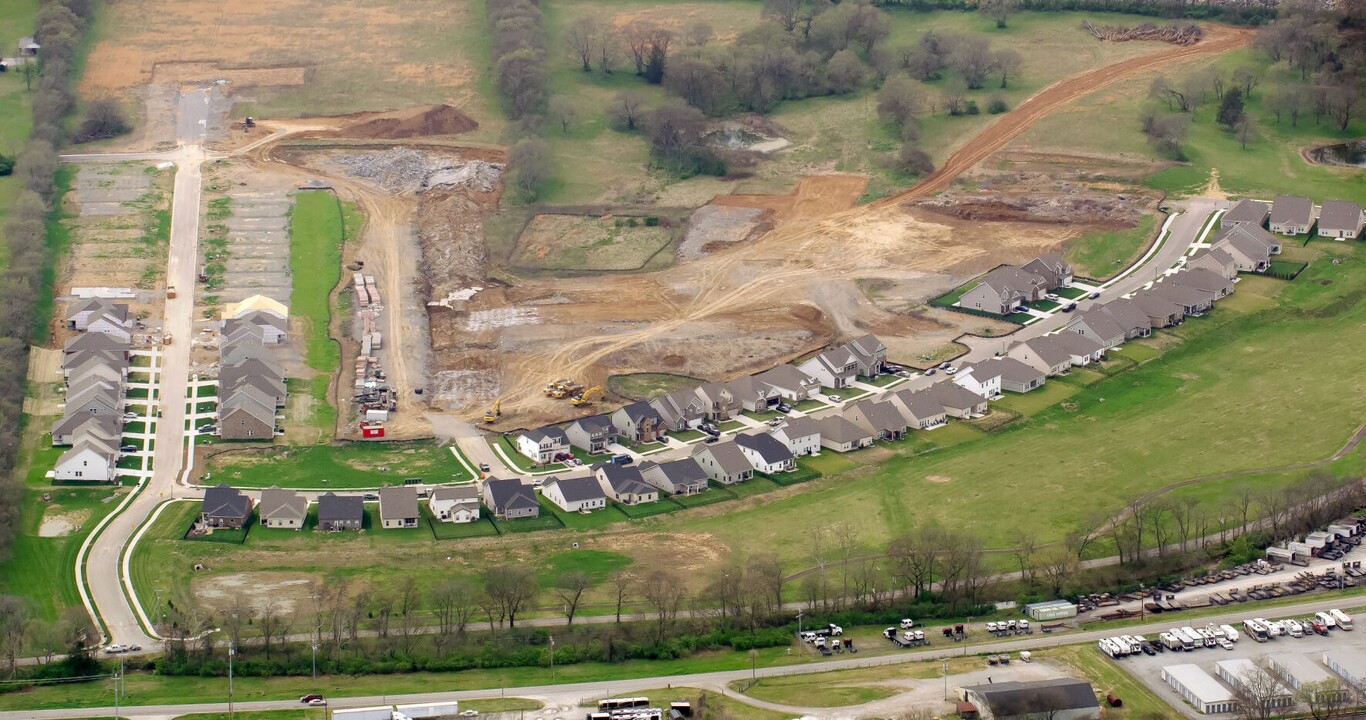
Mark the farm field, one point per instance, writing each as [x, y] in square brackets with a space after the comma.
[341, 466]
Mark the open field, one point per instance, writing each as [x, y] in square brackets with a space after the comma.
[40, 566]
[644, 386]
[342, 466]
[572, 242]
[1103, 254]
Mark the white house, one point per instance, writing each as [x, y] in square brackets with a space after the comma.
[577, 494]
[765, 453]
[455, 504]
[801, 436]
[84, 462]
[543, 444]
[832, 368]
[981, 379]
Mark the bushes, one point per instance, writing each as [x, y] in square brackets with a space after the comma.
[103, 119]
[518, 56]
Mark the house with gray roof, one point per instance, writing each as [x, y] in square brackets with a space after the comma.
[639, 422]
[94, 397]
[723, 462]
[591, 434]
[841, 435]
[1129, 316]
[1250, 248]
[1001, 290]
[274, 329]
[765, 453]
[455, 503]
[754, 394]
[97, 341]
[676, 477]
[1246, 212]
[83, 313]
[680, 410]
[1016, 377]
[1215, 285]
[918, 408]
[719, 404]
[340, 512]
[1216, 260]
[1099, 326]
[835, 368]
[543, 445]
[224, 507]
[624, 484]
[1052, 268]
[91, 364]
[869, 354]
[510, 499]
[1340, 220]
[1081, 349]
[884, 421]
[982, 380]
[262, 372]
[958, 401]
[800, 435]
[71, 426]
[1190, 300]
[1291, 215]
[1042, 354]
[398, 507]
[246, 414]
[1161, 312]
[576, 494]
[792, 384]
[88, 460]
[282, 508]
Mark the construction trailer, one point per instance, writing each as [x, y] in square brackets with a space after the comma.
[385, 712]
[427, 711]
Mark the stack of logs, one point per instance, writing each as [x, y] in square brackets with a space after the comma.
[1175, 34]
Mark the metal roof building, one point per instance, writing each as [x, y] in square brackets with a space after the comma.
[1051, 610]
[1350, 664]
[1199, 688]
[1255, 681]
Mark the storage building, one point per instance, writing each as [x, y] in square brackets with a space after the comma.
[1059, 698]
[1199, 689]
[1350, 665]
[1051, 610]
[1298, 670]
[1255, 681]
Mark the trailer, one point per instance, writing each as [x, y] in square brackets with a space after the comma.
[385, 712]
[1169, 641]
[1186, 642]
[1255, 630]
[1229, 632]
[1344, 620]
[426, 711]
[1326, 620]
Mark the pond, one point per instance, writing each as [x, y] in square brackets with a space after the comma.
[1351, 153]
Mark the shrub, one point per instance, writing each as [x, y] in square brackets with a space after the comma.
[997, 106]
[6, 165]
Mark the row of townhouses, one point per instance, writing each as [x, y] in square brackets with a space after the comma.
[95, 369]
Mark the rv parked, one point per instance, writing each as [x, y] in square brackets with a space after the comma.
[1344, 620]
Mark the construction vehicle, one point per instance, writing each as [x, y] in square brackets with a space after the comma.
[494, 412]
[559, 388]
[588, 395]
[170, 292]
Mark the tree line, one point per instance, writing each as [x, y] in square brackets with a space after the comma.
[58, 27]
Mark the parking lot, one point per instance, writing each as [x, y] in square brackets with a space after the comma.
[1148, 669]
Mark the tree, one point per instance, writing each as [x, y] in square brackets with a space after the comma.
[273, 625]
[520, 80]
[1230, 109]
[1287, 101]
[562, 112]
[914, 161]
[1243, 130]
[697, 81]
[998, 10]
[408, 599]
[663, 591]
[785, 12]
[1341, 101]
[582, 40]
[1026, 544]
[569, 588]
[28, 71]
[453, 602]
[898, 101]
[657, 54]
[511, 589]
[530, 167]
[674, 131]
[1057, 565]
[626, 110]
[845, 72]
[1008, 63]
[1327, 698]
[1258, 692]
[973, 59]
[623, 583]
[697, 33]
[14, 621]
[1247, 77]
[1167, 134]
[637, 36]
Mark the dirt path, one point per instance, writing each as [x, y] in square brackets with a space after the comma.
[975, 150]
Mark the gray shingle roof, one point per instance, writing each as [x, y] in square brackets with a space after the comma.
[1291, 209]
[511, 494]
[551, 432]
[337, 508]
[1247, 211]
[575, 489]
[276, 502]
[727, 456]
[398, 503]
[767, 446]
[836, 429]
[223, 501]
[1339, 215]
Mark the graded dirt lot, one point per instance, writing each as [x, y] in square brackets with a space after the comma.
[576, 242]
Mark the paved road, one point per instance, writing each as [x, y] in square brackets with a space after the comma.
[104, 570]
[572, 694]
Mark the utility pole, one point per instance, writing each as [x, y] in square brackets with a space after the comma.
[231, 652]
[946, 678]
[552, 659]
[753, 666]
[161, 614]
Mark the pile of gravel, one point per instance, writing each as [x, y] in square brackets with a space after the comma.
[402, 170]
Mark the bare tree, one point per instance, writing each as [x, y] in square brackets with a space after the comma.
[409, 599]
[1026, 544]
[626, 111]
[998, 10]
[1258, 692]
[530, 167]
[1342, 101]
[1057, 565]
[664, 592]
[846, 537]
[235, 617]
[562, 112]
[384, 610]
[785, 12]
[845, 72]
[569, 588]
[273, 625]
[356, 612]
[1247, 77]
[697, 33]
[1008, 63]
[1244, 130]
[623, 583]
[511, 588]
[973, 59]
[14, 621]
[453, 602]
[637, 36]
[1176, 98]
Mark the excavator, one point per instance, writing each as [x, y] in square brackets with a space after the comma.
[587, 396]
[494, 412]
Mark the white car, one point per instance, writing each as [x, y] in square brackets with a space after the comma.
[115, 649]
[834, 398]
[1225, 644]
[317, 702]
[951, 371]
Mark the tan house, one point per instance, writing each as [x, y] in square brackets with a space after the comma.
[283, 509]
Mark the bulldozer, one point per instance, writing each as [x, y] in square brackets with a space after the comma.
[587, 396]
[494, 412]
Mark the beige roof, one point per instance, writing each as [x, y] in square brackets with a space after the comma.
[252, 304]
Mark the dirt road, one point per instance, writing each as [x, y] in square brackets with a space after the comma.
[995, 137]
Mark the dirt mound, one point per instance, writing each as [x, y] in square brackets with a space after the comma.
[412, 122]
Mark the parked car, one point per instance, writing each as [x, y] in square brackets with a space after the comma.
[310, 698]
[1069, 307]
[128, 448]
[711, 440]
[131, 416]
[483, 467]
[784, 408]
[1093, 296]
[834, 398]
[775, 422]
[951, 371]
[115, 649]
[931, 371]
[944, 365]
[371, 496]
[317, 702]
[207, 429]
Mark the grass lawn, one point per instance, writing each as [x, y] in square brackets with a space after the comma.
[645, 386]
[594, 520]
[1019, 318]
[801, 690]
[1070, 293]
[636, 512]
[809, 405]
[949, 299]
[521, 461]
[688, 435]
[1101, 255]
[483, 527]
[714, 494]
[757, 485]
[40, 568]
[729, 425]
[1035, 400]
[347, 465]
[848, 393]
[763, 416]
[1045, 305]
[1284, 268]
[883, 381]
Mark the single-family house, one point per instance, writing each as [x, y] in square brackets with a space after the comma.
[112, 323]
[869, 354]
[1217, 260]
[1190, 300]
[1215, 285]
[754, 394]
[102, 342]
[255, 303]
[841, 435]
[1099, 326]
[81, 314]
[834, 368]
[881, 419]
[624, 484]
[1129, 316]
[919, 408]
[1042, 354]
[340, 512]
[28, 47]
[680, 410]
[398, 507]
[1081, 349]
[677, 477]
[1340, 220]
[225, 507]
[242, 335]
[1291, 215]
[238, 352]
[1161, 312]
[274, 329]
[246, 414]
[982, 380]
[958, 401]
[1052, 268]
[543, 445]
[639, 422]
[1015, 376]
[723, 462]
[792, 384]
[1002, 289]
[719, 404]
[510, 499]
[592, 434]
[455, 503]
[73, 426]
[94, 397]
[86, 461]
[264, 373]
[801, 436]
[765, 453]
[576, 494]
[1246, 212]
[94, 365]
[281, 508]
[1250, 247]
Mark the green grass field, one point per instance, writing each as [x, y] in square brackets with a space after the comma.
[41, 569]
[342, 466]
[643, 386]
[1103, 254]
